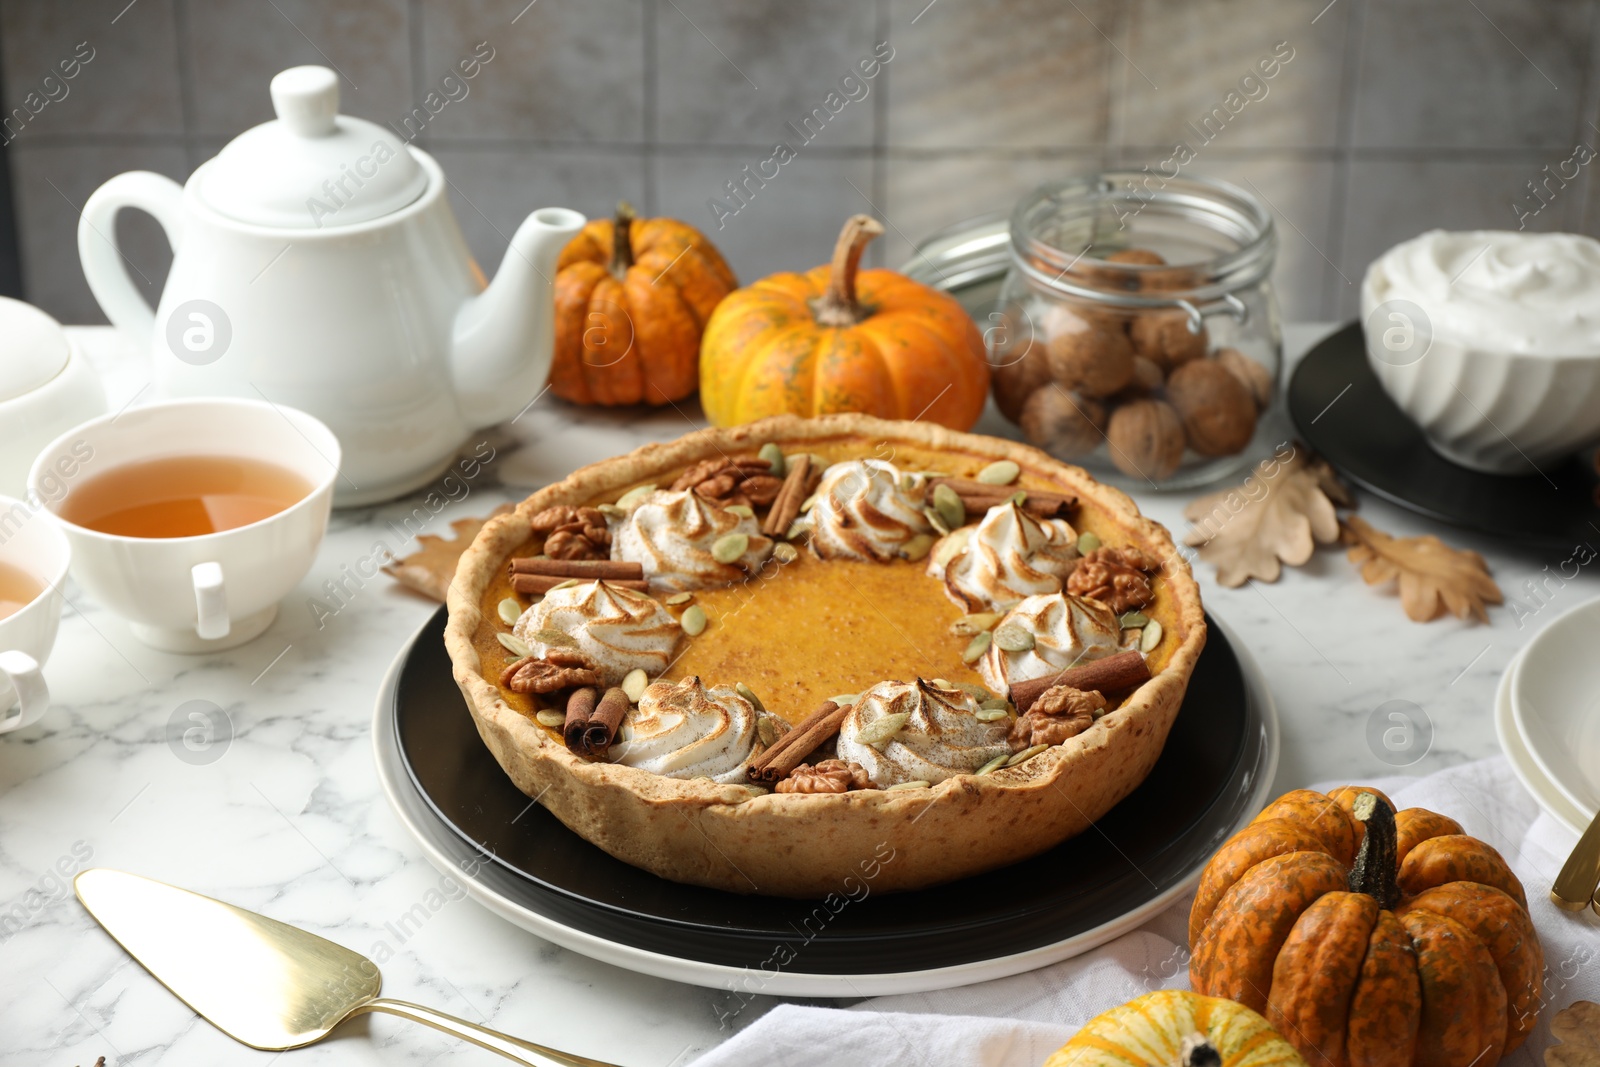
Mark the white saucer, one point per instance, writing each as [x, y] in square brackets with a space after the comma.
[1526, 768]
[503, 893]
[1555, 703]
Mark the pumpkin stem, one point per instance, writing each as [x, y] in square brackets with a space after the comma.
[622, 239]
[839, 306]
[1375, 871]
[1197, 1051]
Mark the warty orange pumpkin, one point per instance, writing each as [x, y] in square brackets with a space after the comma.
[837, 339]
[1173, 1028]
[1369, 938]
[632, 298]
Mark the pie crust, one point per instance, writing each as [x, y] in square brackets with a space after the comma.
[732, 837]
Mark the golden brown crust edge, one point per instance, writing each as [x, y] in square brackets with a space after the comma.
[809, 846]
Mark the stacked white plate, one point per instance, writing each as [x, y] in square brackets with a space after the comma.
[1547, 714]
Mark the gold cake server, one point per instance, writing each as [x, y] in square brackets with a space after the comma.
[1574, 887]
[260, 981]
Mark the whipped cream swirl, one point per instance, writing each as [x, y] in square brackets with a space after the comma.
[1011, 555]
[672, 534]
[1066, 629]
[684, 730]
[864, 511]
[616, 628]
[1497, 290]
[941, 738]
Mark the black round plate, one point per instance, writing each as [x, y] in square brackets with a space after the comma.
[1343, 413]
[1199, 792]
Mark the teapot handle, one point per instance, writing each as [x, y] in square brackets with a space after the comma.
[103, 262]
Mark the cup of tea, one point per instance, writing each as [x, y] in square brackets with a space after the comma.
[33, 563]
[192, 518]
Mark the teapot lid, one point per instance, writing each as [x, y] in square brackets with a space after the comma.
[33, 348]
[312, 168]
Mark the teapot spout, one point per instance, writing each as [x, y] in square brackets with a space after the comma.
[503, 337]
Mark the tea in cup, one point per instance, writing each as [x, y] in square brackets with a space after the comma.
[33, 563]
[193, 518]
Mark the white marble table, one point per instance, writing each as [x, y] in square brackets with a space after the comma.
[289, 820]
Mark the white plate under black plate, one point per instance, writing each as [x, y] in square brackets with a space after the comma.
[514, 857]
[1341, 410]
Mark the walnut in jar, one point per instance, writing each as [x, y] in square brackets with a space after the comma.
[1163, 337]
[1014, 376]
[1061, 423]
[1218, 412]
[1088, 353]
[1146, 439]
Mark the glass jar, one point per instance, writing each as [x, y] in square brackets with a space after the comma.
[1137, 333]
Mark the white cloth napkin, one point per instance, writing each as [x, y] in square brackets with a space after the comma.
[1019, 1021]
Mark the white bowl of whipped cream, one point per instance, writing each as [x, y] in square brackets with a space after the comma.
[1490, 341]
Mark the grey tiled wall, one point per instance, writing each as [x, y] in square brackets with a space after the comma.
[1393, 116]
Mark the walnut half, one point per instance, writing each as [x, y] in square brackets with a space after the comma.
[829, 776]
[1060, 713]
[1117, 577]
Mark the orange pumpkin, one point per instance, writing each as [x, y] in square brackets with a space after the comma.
[1367, 937]
[838, 338]
[632, 297]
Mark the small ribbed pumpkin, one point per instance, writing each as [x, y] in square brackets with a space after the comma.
[1368, 937]
[838, 338]
[1171, 1028]
[632, 298]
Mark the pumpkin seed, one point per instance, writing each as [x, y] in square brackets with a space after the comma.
[882, 730]
[634, 683]
[568, 584]
[634, 497]
[1020, 497]
[1132, 620]
[993, 703]
[694, 620]
[799, 530]
[611, 511]
[1001, 472]
[510, 610]
[1151, 638]
[917, 548]
[917, 783]
[976, 692]
[1025, 755]
[514, 645]
[749, 694]
[730, 547]
[744, 511]
[784, 552]
[968, 625]
[993, 765]
[550, 717]
[977, 647]
[553, 637]
[908, 483]
[844, 700]
[941, 683]
[774, 455]
[1010, 637]
[766, 731]
[1087, 542]
[810, 502]
[680, 598]
[950, 547]
[991, 714]
[935, 520]
[948, 503]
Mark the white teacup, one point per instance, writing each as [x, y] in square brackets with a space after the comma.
[32, 543]
[212, 591]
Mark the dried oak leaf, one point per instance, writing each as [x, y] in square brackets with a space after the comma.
[1434, 578]
[1577, 1027]
[432, 567]
[1279, 515]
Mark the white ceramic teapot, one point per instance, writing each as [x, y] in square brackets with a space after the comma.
[316, 264]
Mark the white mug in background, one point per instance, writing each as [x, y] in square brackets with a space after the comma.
[211, 591]
[31, 542]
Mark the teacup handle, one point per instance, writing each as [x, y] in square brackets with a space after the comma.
[33, 696]
[210, 601]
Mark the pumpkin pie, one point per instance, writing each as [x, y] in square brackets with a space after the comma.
[799, 655]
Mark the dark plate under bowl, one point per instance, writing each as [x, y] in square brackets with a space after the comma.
[1200, 790]
[1341, 410]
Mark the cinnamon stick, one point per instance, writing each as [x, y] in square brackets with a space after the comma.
[609, 569]
[786, 507]
[602, 726]
[1040, 509]
[543, 583]
[580, 706]
[981, 496]
[791, 750]
[1125, 670]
